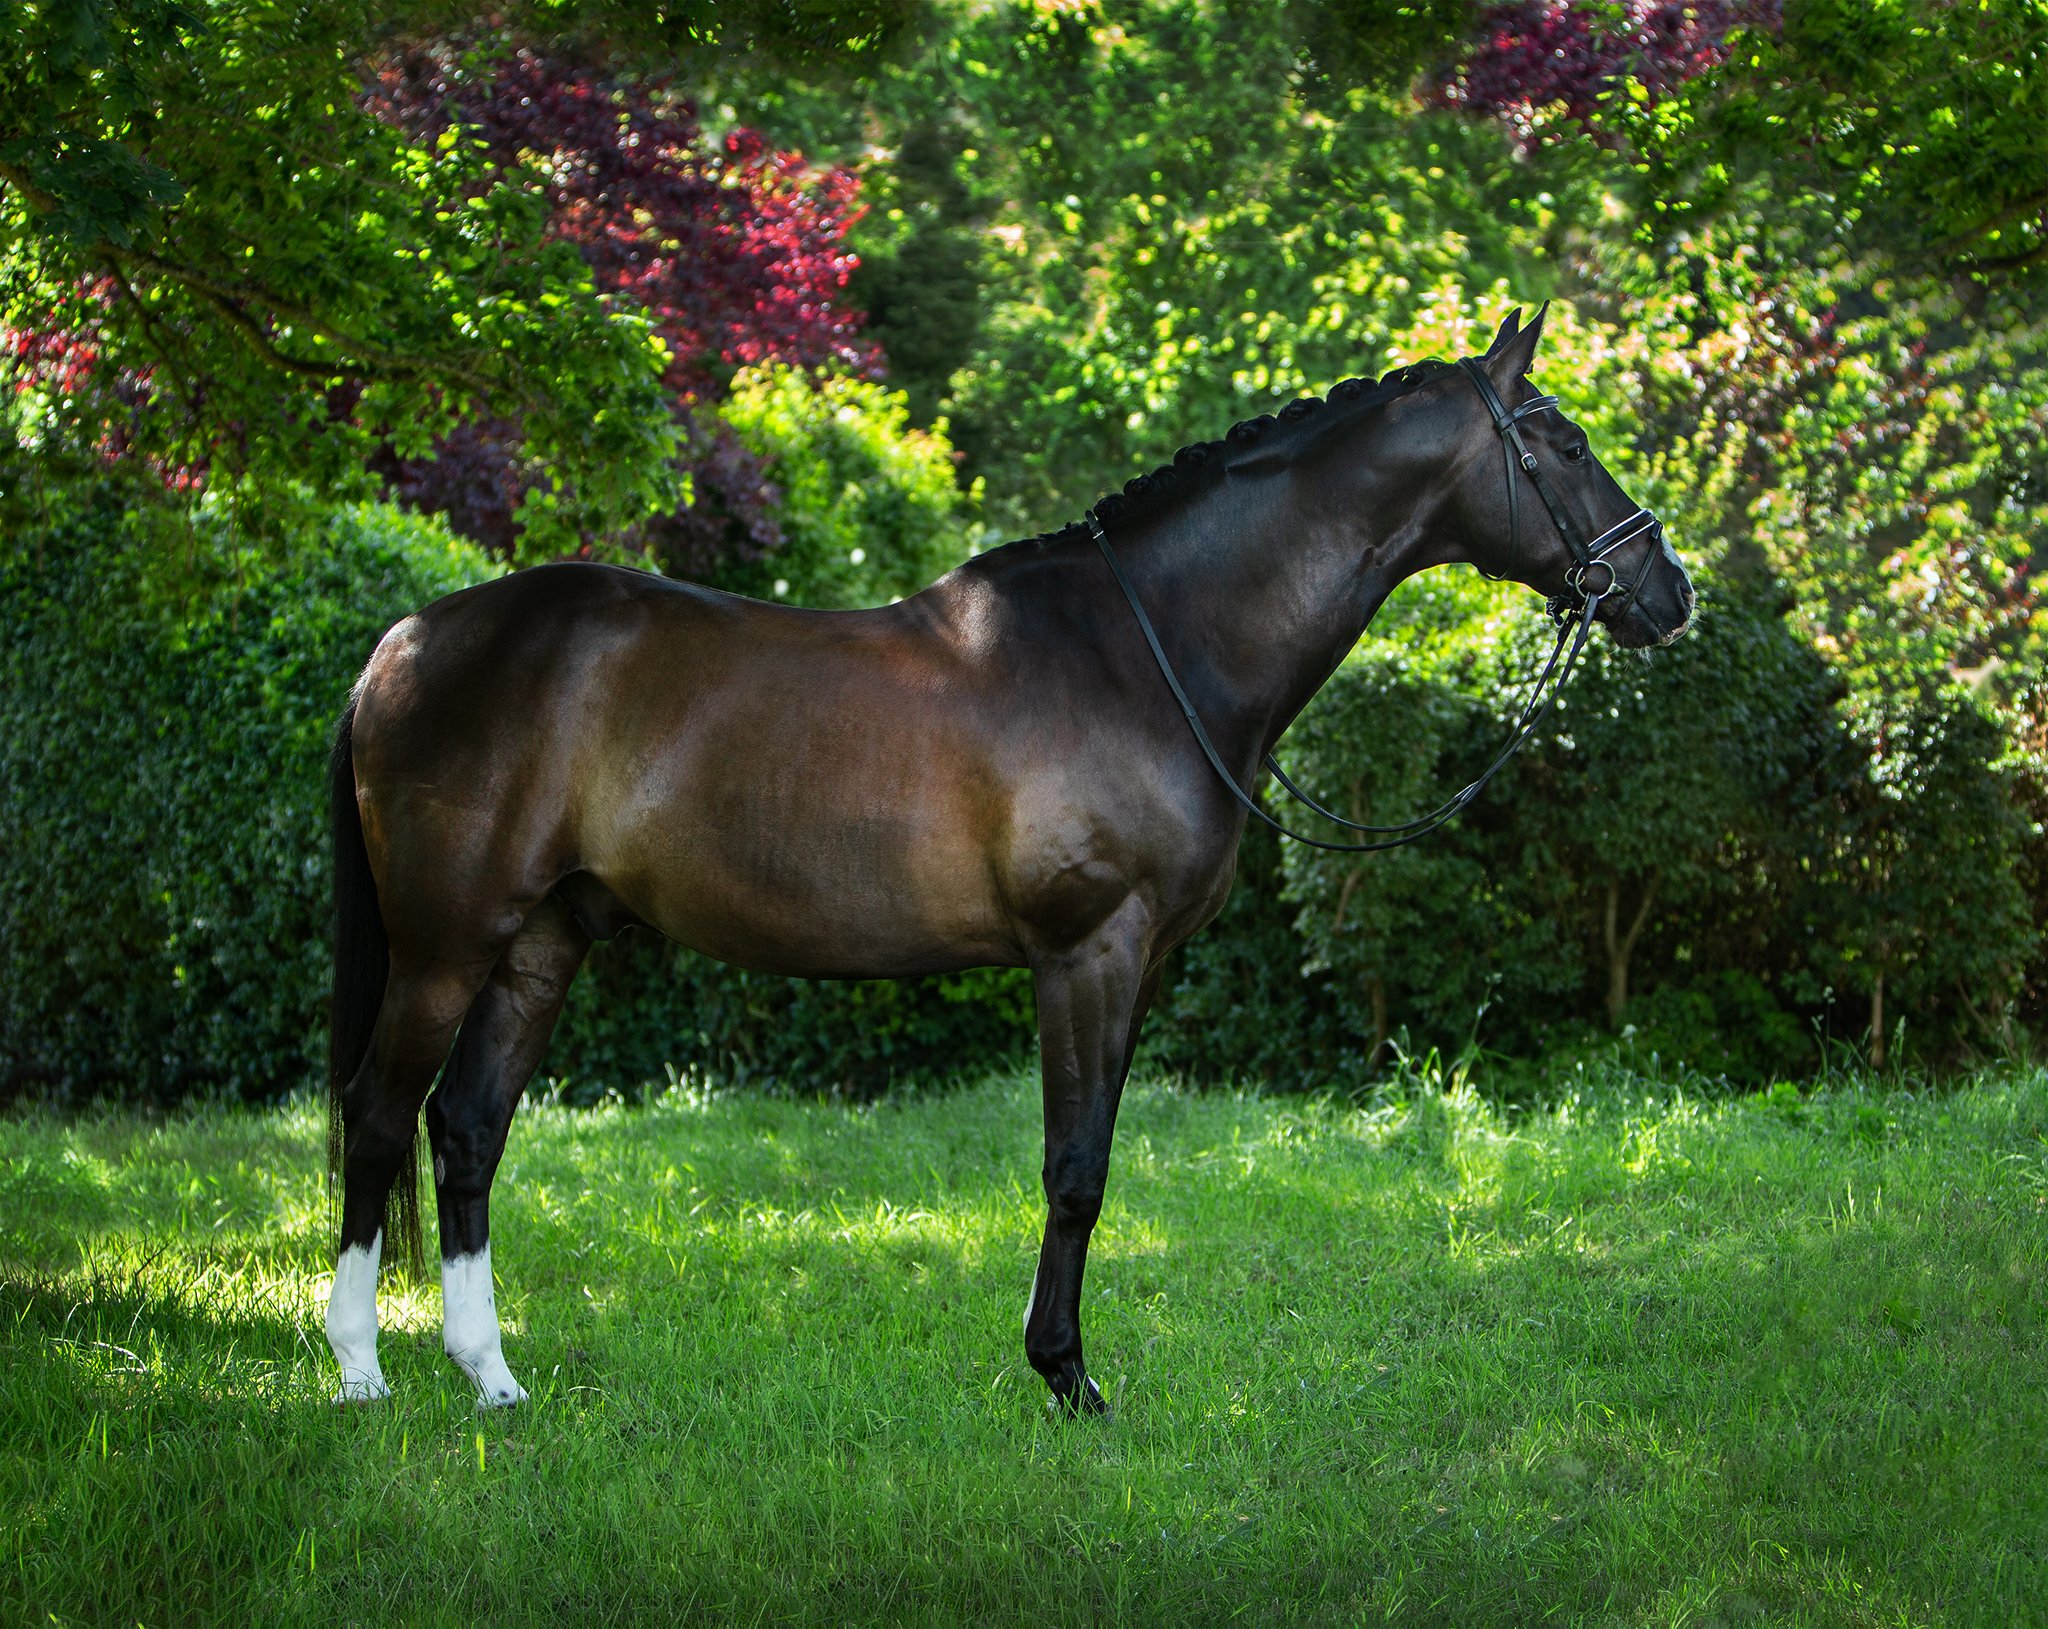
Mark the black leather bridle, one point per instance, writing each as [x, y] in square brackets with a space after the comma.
[1586, 556]
[1572, 612]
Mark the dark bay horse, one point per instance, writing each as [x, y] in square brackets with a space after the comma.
[992, 772]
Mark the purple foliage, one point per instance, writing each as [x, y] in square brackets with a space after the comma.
[1529, 56]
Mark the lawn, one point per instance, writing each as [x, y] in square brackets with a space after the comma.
[1633, 1358]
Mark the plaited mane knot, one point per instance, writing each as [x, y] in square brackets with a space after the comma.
[1201, 459]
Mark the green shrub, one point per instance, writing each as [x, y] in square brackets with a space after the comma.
[1702, 847]
[1919, 903]
[1236, 1003]
[869, 508]
[164, 723]
[1727, 1025]
[643, 1007]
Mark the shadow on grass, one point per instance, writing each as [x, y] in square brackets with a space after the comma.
[123, 1329]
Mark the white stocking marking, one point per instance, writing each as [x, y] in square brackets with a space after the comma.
[352, 1323]
[469, 1325]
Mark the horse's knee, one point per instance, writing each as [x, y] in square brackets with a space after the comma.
[455, 1126]
[1075, 1208]
[1074, 1187]
[466, 1159]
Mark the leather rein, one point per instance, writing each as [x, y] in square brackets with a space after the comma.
[1572, 612]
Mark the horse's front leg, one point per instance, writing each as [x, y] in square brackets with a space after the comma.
[1091, 1000]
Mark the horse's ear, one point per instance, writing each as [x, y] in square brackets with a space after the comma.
[1510, 325]
[1513, 352]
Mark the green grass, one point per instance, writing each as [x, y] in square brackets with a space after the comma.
[1633, 1359]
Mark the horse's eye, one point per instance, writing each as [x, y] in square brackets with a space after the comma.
[1576, 452]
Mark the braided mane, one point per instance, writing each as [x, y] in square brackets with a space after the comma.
[1202, 462]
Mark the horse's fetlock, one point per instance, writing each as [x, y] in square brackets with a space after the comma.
[1052, 1357]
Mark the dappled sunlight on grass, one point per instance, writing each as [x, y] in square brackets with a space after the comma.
[1636, 1355]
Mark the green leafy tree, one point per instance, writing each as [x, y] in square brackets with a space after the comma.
[291, 283]
[1909, 123]
[1174, 217]
[1917, 120]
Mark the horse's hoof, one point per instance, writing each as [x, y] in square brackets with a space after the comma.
[362, 1389]
[1075, 1401]
[495, 1387]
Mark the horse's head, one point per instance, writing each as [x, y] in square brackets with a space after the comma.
[1535, 504]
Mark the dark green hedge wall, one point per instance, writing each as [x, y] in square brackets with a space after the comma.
[165, 716]
[164, 723]
[164, 902]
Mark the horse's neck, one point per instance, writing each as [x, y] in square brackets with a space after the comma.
[1258, 597]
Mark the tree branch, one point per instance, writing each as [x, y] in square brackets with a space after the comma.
[1628, 945]
[363, 359]
[1344, 893]
[16, 177]
[261, 343]
[2009, 263]
[2033, 203]
[152, 332]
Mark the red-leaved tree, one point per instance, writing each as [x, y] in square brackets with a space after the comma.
[64, 356]
[736, 253]
[1527, 57]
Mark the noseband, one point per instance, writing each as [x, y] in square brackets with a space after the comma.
[1572, 612]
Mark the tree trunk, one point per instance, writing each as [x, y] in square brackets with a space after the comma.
[1376, 990]
[1877, 1021]
[1621, 946]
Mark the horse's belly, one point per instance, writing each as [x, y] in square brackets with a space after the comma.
[781, 885]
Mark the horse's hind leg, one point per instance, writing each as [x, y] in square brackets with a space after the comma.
[500, 1045]
[380, 1109]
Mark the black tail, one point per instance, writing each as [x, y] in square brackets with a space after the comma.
[362, 962]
